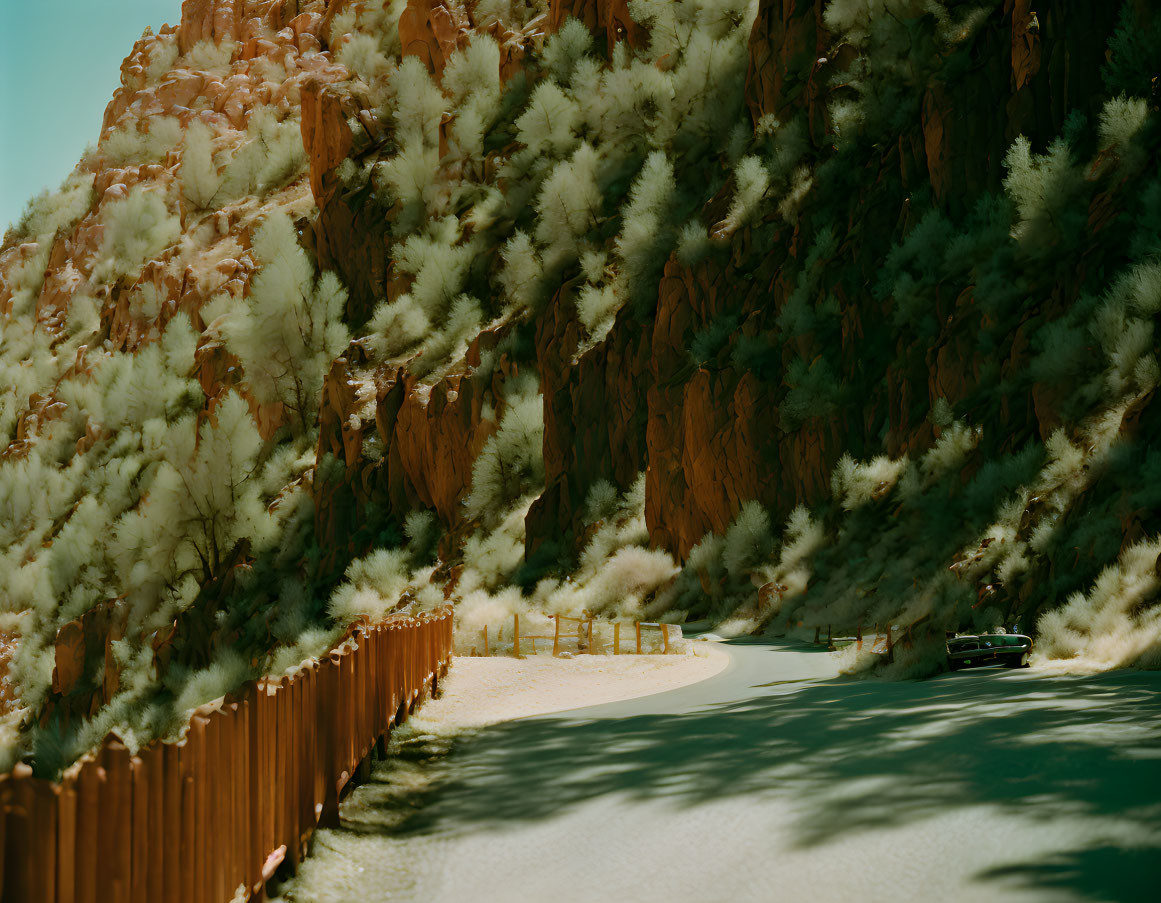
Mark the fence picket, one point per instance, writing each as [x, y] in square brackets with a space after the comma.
[193, 821]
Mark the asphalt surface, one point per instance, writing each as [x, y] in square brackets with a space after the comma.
[776, 780]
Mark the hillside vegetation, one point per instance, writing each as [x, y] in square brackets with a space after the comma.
[786, 315]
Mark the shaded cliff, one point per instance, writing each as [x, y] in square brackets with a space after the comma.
[783, 313]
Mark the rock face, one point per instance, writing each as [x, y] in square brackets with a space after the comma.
[788, 66]
[937, 205]
[266, 56]
[610, 19]
[432, 30]
[594, 416]
[708, 438]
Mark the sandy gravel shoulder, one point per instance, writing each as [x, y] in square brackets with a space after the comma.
[482, 691]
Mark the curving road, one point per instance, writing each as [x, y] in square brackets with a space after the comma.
[776, 781]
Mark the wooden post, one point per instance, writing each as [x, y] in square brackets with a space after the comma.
[817, 631]
[516, 635]
[829, 639]
[665, 638]
[617, 638]
[486, 652]
[859, 636]
[890, 646]
[591, 652]
[637, 624]
[556, 636]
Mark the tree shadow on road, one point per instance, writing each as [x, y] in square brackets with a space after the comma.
[847, 756]
[1099, 873]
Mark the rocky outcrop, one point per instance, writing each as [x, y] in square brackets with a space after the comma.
[713, 439]
[85, 674]
[595, 413]
[711, 424]
[788, 69]
[708, 436]
[435, 438]
[399, 445]
[432, 30]
[609, 19]
[325, 135]
[713, 435]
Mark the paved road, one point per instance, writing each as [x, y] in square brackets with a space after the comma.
[776, 781]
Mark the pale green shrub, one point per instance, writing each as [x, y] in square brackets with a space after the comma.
[1047, 191]
[1116, 623]
[361, 54]
[163, 54]
[523, 271]
[855, 484]
[596, 308]
[397, 327]
[137, 228]
[549, 123]
[206, 56]
[748, 541]
[568, 205]
[270, 154]
[127, 145]
[198, 172]
[511, 462]
[291, 326]
[51, 211]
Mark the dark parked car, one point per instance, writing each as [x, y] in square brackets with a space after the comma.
[1008, 649]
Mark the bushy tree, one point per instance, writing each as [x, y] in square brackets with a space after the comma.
[202, 500]
[290, 326]
[568, 205]
[511, 462]
[128, 145]
[271, 152]
[472, 79]
[137, 228]
[1046, 189]
[200, 180]
[50, 211]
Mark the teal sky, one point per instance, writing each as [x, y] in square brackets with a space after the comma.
[59, 66]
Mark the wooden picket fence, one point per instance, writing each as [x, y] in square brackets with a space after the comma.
[215, 816]
[584, 635]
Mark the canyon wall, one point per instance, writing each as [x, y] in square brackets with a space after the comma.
[479, 285]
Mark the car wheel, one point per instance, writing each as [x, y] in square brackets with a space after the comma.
[1016, 661]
